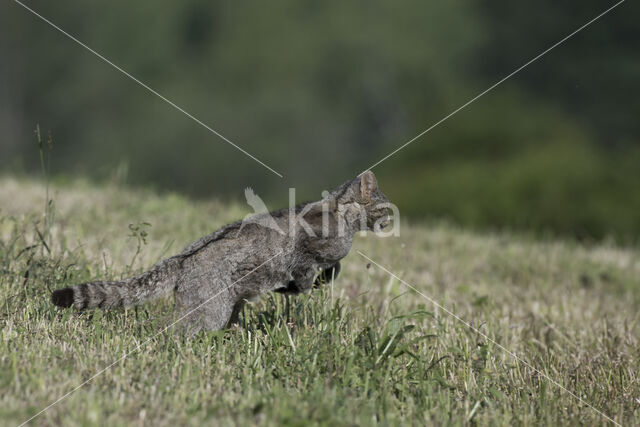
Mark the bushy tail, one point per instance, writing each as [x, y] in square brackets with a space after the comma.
[123, 293]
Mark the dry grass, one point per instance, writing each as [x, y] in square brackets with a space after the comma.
[364, 351]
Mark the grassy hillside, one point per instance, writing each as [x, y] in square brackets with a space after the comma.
[364, 350]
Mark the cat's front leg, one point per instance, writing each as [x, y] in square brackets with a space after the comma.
[290, 288]
[302, 282]
[326, 276]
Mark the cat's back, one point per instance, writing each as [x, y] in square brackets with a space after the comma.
[236, 242]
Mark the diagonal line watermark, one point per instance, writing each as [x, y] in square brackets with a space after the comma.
[485, 336]
[156, 93]
[498, 83]
[137, 347]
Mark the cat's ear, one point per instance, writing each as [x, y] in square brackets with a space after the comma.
[368, 185]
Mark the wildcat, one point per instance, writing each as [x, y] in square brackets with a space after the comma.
[214, 276]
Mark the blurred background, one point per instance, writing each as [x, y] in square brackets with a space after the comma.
[319, 91]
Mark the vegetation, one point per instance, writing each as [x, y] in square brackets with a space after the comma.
[363, 350]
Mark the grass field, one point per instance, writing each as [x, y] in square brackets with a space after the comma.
[364, 350]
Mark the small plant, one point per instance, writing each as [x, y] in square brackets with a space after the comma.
[138, 231]
[45, 148]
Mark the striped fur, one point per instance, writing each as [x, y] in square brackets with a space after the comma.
[152, 284]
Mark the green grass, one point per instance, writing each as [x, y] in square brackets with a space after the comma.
[365, 350]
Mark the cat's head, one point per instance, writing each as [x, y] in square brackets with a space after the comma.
[362, 197]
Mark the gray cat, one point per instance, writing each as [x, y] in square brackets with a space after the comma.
[214, 276]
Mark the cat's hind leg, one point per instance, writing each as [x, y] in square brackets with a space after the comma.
[202, 308]
[235, 314]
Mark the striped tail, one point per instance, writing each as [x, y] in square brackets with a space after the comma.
[123, 293]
